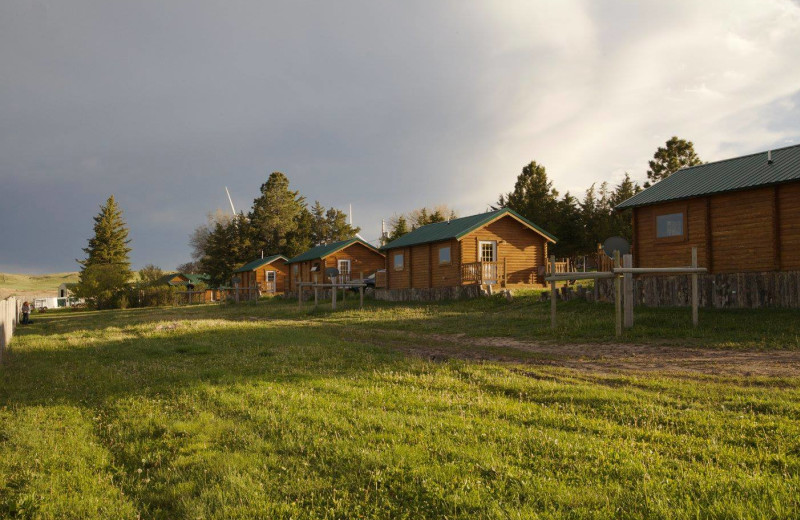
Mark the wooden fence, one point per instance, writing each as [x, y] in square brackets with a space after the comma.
[9, 318]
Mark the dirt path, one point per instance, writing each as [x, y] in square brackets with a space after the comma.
[606, 357]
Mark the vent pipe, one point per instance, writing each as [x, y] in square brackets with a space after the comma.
[769, 157]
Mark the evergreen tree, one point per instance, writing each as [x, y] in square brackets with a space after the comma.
[106, 269]
[620, 221]
[275, 217]
[424, 216]
[299, 240]
[319, 224]
[534, 197]
[399, 228]
[674, 155]
[568, 227]
[337, 226]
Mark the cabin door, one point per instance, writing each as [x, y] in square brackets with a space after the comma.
[344, 270]
[269, 280]
[488, 257]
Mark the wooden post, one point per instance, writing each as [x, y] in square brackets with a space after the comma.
[618, 295]
[333, 296]
[316, 296]
[361, 297]
[505, 271]
[627, 261]
[553, 293]
[695, 295]
[236, 288]
[299, 295]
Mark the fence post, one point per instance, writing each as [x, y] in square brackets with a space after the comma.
[334, 290]
[553, 294]
[236, 292]
[361, 297]
[618, 295]
[299, 295]
[695, 295]
[316, 295]
[627, 261]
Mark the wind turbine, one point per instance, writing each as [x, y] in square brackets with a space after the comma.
[351, 222]
[233, 210]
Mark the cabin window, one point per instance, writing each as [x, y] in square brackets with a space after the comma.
[270, 276]
[295, 268]
[488, 251]
[398, 261]
[670, 225]
[444, 255]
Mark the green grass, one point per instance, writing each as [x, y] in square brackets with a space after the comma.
[32, 282]
[269, 411]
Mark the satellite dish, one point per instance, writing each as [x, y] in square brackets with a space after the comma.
[331, 272]
[236, 279]
[616, 244]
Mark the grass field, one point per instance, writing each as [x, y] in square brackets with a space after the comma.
[459, 410]
[33, 285]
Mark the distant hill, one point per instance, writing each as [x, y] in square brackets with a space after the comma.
[34, 284]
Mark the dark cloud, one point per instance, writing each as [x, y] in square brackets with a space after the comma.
[388, 106]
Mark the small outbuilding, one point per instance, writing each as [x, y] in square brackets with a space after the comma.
[354, 258]
[66, 290]
[499, 248]
[268, 274]
[742, 215]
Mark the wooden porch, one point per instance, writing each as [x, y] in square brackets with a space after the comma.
[483, 273]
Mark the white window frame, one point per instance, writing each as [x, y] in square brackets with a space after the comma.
[266, 276]
[493, 243]
[342, 272]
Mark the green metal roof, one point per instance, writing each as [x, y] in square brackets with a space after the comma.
[738, 173]
[255, 264]
[195, 279]
[328, 249]
[457, 228]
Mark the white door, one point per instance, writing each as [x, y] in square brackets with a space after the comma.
[344, 270]
[488, 255]
[270, 278]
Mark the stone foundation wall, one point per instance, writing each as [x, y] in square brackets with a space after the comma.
[429, 295]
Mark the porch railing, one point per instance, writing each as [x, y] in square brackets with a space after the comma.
[482, 272]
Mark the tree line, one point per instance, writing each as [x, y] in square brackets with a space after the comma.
[579, 224]
[281, 222]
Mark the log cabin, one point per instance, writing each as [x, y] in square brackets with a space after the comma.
[354, 258]
[190, 282]
[498, 247]
[268, 274]
[742, 214]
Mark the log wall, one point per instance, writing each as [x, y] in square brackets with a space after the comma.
[743, 231]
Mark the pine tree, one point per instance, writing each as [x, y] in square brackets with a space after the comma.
[337, 226]
[534, 197]
[319, 224]
[674, 155]
[106, 269]
[276, 217]
[399, 228]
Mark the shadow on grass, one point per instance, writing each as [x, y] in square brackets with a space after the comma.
[166, 361]
[524, 318]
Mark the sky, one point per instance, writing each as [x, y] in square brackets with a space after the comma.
[388, 106]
